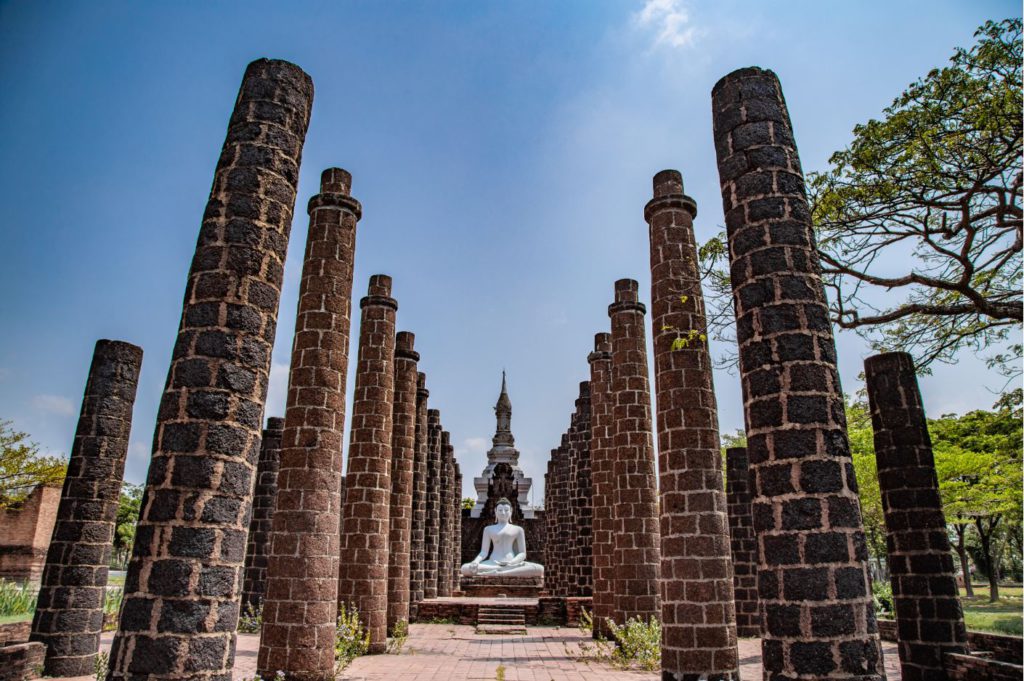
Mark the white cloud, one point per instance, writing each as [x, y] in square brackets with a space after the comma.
[55, 404]
[671, 21]
[277, 395]
[475, 445]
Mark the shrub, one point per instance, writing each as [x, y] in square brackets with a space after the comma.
[882, 593]
[16, 599]
[639, 643]
[251, 619]
[398, 637]
[350, 638]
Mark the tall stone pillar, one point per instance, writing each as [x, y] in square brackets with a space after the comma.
[602, 458]
[813, 575]
[549, 525]
[698, 618]
[452, 503]
[582, 498]
[457, 549]
[403, 446]
[263, 502]
[363, 578]
[563, 518]
[743, 542]
[444, 547]
[69, 609]
[182, 591]
[300, 604]
[417, 581]
[431, 543]
[637, 555]
[929, 620]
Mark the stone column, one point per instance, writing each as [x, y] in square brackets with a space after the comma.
[403, 446]
[300, 603]
[563, 518]
[743, 542]
[417, 581]
[602, 457]
[431, 543]
[363, 579]
[184, 582]
[444, 546]
[697, 612]
[637, 555]
[263, 501]
[451, 500]
[69, 609]
[929, 620]
[582, 498]
[549, 525]
[571, 520]
[813, 574]
[457, 549]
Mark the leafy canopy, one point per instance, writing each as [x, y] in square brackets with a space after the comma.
[22, 467]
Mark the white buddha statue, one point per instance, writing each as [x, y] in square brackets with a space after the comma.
[506, 545]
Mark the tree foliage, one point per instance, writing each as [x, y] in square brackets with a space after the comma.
[22, 467]
[127, 518]
[919, 220]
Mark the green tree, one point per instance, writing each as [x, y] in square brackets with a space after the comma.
[919, 220]
[126, 521]
[468, 503]
[862, 451]
[22, 467]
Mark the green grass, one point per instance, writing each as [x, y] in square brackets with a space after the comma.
[1002, 617]
[10, 619]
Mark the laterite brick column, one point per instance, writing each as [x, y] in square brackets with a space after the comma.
[582, 490]
[403, 446]
[637, 555]
[432, 540]
[184, 582]
[69, 609]
[549, 525]
[300, 603]
[571, 520]
[698, 617]
[813, 575]
[929, 620]
[263, 501]
[743, 542]
[444, 525]
[452, 500]
[363, 578]
[602, 457]
[417, 574]
[457, 548]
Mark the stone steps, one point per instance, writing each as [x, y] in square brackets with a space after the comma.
[500, 619]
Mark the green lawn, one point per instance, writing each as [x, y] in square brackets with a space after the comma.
[1002, 617]
[8, 619]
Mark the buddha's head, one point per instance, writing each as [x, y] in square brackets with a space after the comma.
[503, 510]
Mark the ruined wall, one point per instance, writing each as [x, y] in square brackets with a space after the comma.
[25, 534]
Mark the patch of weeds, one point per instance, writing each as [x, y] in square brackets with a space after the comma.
[399, 635]
[251, 619]
[350, 638]
[499, 673]
[100, 667]
[636, 644]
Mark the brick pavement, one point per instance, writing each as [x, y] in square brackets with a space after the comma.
[451, 651]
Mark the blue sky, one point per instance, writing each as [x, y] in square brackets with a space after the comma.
[502, 151]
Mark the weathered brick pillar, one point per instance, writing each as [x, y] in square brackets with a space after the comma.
[582, 498]
[403, 446]
[929, 620]
[637, 555]
[432, 539]
[184, 582]
[417, 574]
[263, 500]
[451, 500]
[602, 457]
[697, 612]
[571, 520]
[549, 525]
[812, 577]
[300, 603]
[69, 609]
[418, 557]
[444, 547]
[363, 578]
[563, 521]
[743, 542]
[457, 548]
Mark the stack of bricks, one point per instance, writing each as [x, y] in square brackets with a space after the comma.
[603, 483]
[929, 619]
[431, 542]
[403, 445]
[698, 617]
[69, 608]
[637, 555]
[443, 529]
[812, 576]
[263, 500]
[363, 577]
[182, 591]
[582, 491]
[417, 570]
[300, 603]
[742, 541]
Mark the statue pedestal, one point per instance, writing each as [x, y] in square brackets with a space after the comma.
[510, 587]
